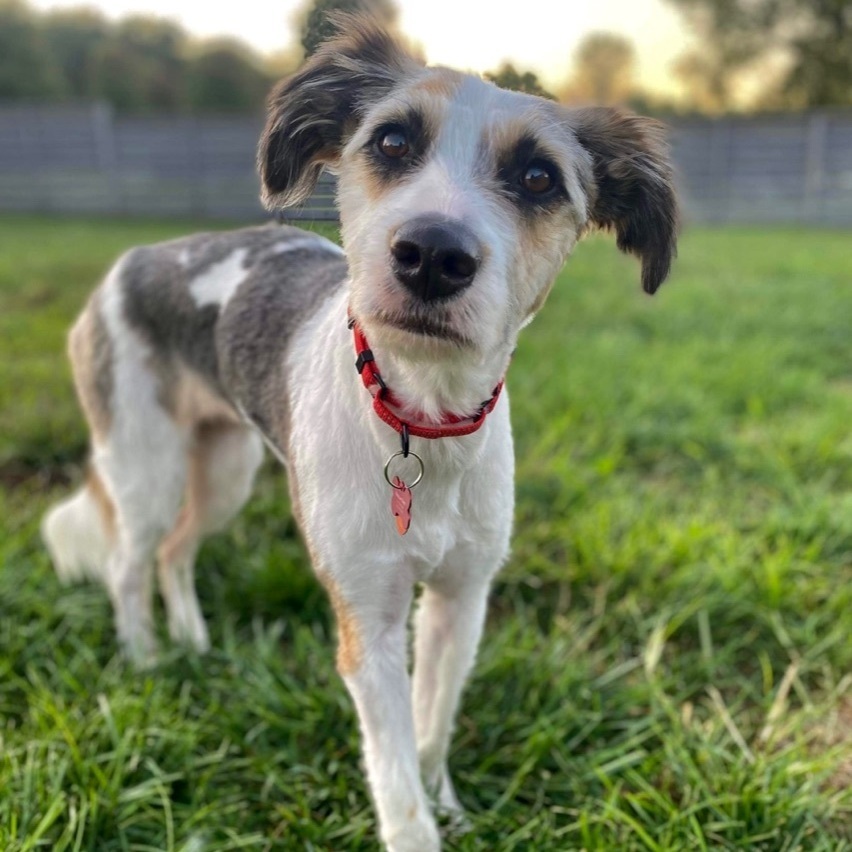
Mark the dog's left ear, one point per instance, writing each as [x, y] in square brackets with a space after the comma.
[311, 114]
[633, 192]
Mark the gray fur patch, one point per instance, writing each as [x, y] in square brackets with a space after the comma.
[257, 326]
[158, 302]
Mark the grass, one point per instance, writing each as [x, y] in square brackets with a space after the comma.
[667, 659]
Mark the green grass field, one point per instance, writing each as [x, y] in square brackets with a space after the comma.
[667, 660]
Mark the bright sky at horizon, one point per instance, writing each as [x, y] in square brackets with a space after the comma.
[476, 36]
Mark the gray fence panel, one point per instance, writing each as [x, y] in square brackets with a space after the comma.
[50, 159]
[789, 168]
[836, 174]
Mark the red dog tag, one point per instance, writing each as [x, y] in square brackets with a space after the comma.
[401, 505]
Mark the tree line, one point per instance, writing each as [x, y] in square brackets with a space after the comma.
[784, 54]
[138, 64]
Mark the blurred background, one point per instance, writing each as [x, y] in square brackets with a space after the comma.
[153, 106]
[667, 657]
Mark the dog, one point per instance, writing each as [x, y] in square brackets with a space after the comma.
[374, 375]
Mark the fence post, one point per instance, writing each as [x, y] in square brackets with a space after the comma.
[198, 168]
[720, 168]
[103, 125]
[37, 144]
[816, 133]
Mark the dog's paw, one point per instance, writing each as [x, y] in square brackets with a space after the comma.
[440, 788]
[191, 633]
[453, 821]
[140, 648]
[419, 834]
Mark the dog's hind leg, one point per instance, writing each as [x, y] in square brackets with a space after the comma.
[141, 455]
[144, 471]
[222, 464]
[112, 527]
[448, 626]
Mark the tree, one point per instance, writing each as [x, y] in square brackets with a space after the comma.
[73, 36]
[225, 76]
[315, 26]
[810, 39]
[27, 67]
[821, 72]
[707, 80]
[603, 70]
[141, 65]
[507, 77]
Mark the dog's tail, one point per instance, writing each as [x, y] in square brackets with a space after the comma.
[80, 530]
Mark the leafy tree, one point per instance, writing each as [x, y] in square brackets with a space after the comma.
[141, 66]
[27, 67]
[224, 76]
[508, 77]
[604, 65]
[315, 27]
[73, 36]
[810, 39]
[821, 72]
[649, 103]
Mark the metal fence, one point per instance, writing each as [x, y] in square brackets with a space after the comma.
[785, 168]
[74, 160]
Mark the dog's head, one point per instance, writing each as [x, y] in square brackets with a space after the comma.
[459, 201]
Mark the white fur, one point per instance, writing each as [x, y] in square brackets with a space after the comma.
[77, 538]
[314, 241]
[216, 285]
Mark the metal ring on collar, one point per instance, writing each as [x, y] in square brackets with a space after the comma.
[411, 455]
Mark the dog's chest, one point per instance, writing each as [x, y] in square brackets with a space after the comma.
[455, 516]
[438, 523]
[348, 517]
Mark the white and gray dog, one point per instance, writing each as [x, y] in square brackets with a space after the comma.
[459, 203]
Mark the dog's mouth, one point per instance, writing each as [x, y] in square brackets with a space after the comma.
[423, 326]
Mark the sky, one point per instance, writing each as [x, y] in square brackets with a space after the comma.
[538, 35]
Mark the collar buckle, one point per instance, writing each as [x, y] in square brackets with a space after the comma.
[365, 356]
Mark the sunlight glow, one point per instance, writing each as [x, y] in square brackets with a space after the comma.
[539, 35]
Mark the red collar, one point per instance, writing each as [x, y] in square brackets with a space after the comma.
[449, 426]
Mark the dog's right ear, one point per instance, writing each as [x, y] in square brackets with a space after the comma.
[311, 114]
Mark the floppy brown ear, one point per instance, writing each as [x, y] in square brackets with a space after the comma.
[311, 114]
[633, 192]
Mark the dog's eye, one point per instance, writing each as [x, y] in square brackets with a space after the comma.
[537, 178]
[394, 144]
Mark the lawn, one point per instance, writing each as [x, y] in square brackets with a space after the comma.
[667, 660]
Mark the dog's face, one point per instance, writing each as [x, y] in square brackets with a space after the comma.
[459, 201]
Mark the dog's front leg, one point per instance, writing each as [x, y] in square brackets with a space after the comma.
[371, 619]
[449, 624]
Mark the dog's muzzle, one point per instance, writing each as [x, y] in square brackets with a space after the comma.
[434, 257]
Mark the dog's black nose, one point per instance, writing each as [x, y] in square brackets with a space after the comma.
[434, 258]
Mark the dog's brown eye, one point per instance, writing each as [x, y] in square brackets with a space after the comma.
[537, 179]
[394, 144]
